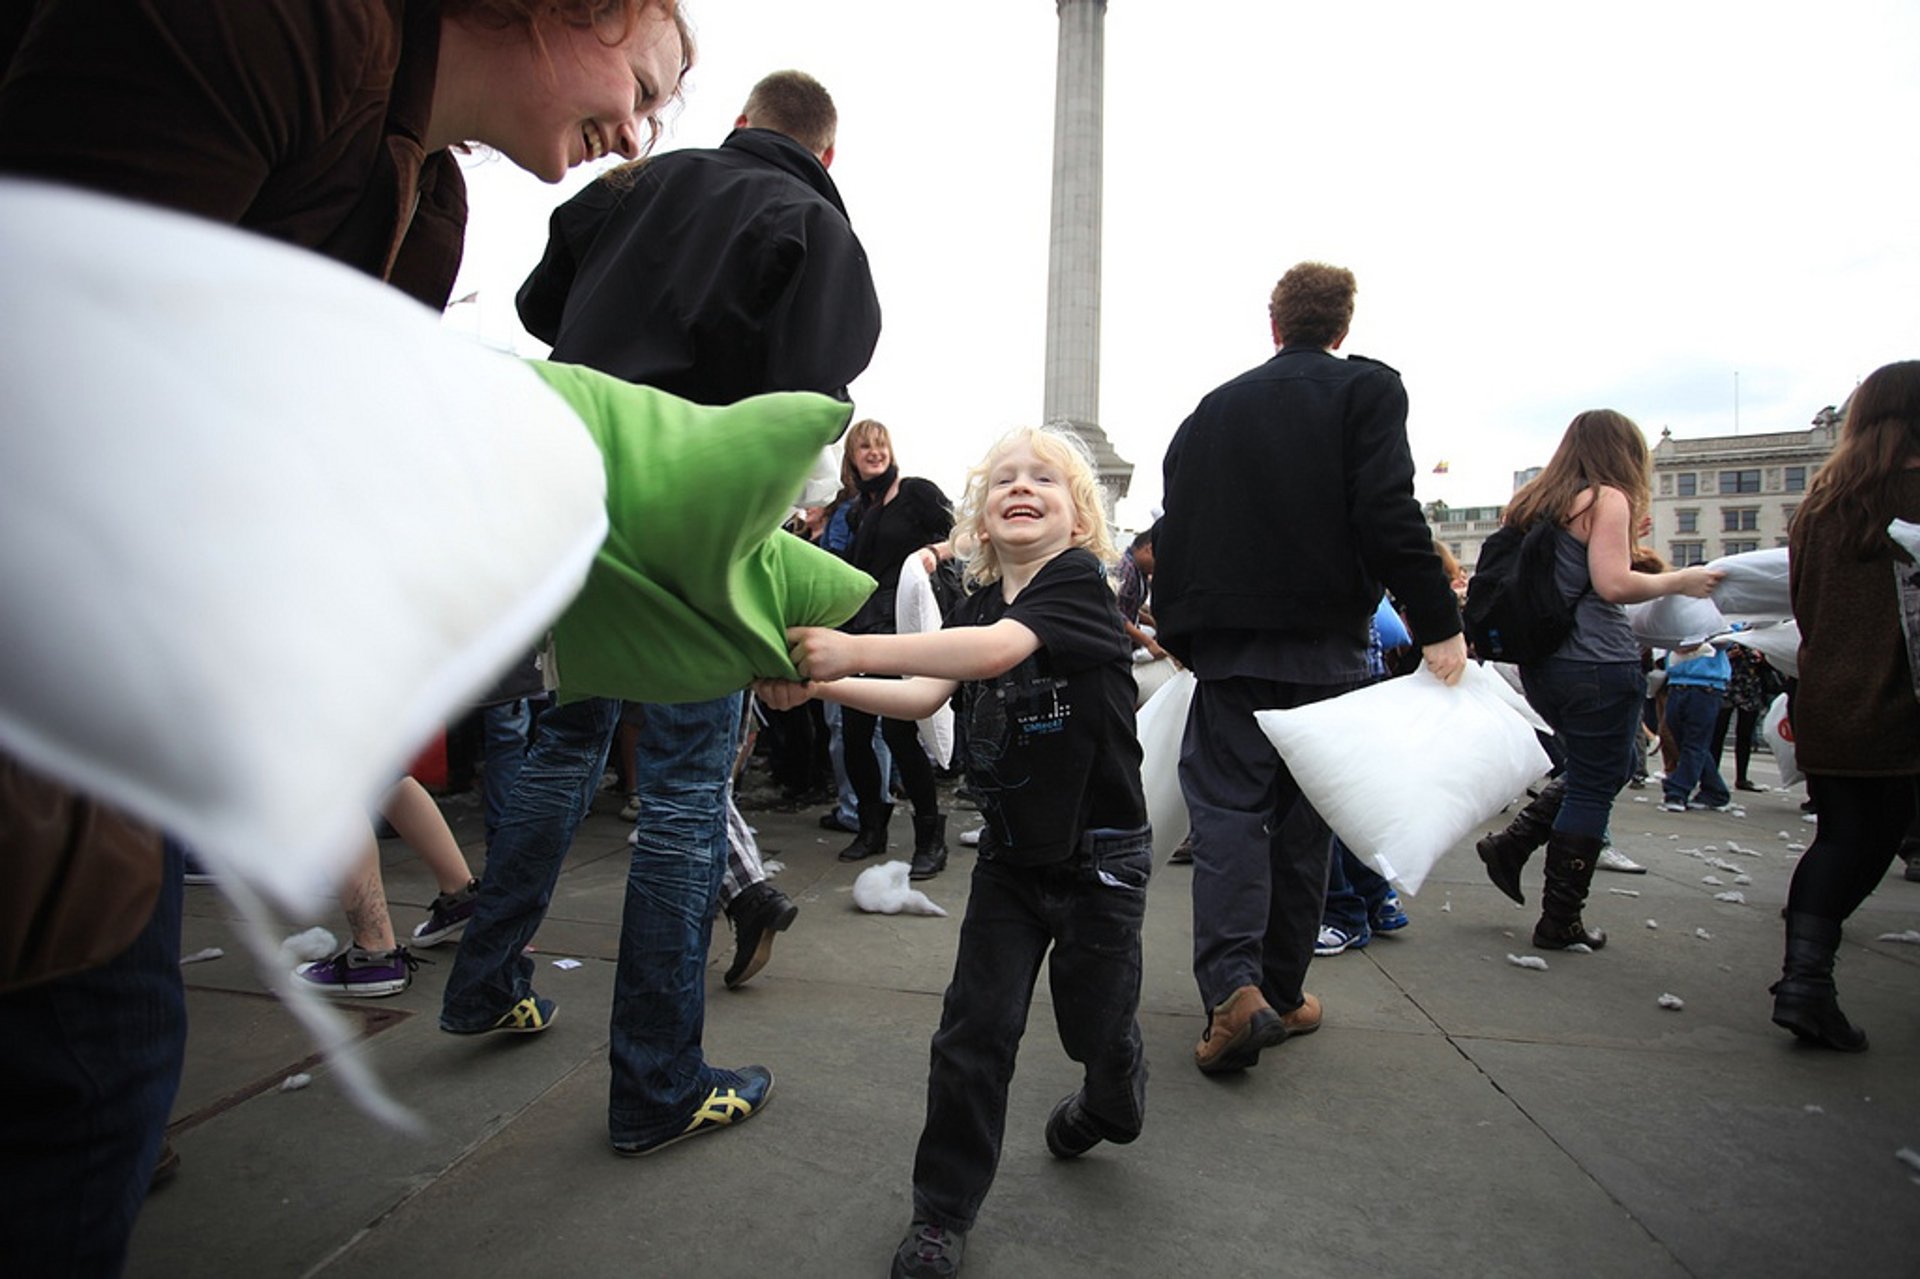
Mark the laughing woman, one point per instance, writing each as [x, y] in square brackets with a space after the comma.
[1856, 720]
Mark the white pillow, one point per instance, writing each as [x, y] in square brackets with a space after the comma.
[1755, 585]
[1404, 769]
[1675, 621]
[1160, 725]
[915, 609]
[264, 525]
[1779, 644]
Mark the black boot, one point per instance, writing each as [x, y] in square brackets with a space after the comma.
[1570, 863]
[929, 846]
[760, 911]
[1505, 852]
[1805, 1000]
[872, 839]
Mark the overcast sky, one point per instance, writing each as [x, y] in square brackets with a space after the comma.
[1641, 207]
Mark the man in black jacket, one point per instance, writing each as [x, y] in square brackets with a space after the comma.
[715, 275]
[1289, 505]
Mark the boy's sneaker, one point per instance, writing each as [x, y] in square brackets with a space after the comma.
[448, 915]
[1391, 917]
[1069, 1134]
[727, 1104]
[360, 974]
[1672, 806]
[630, 810]
[929, 1252]
[1335, 941]
[1705, 806]
[1611, 859]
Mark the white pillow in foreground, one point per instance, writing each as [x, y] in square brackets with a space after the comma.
[264, 525]
[1405, 769]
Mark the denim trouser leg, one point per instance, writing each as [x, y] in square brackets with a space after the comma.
[1260, 852]
[1691, 713]
[89, 1065]
[659, 988]
[1594, 708]
[1013, 915]
[550, 797]
[1354, 892]
[504, 730]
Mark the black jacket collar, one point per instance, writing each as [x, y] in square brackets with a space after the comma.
[783, 152]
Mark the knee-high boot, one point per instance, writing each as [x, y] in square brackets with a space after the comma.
[1505, 852]
[1805, 999]
[1570, 864]
[872, 839]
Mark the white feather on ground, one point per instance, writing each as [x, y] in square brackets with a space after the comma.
[314, 944]
[1527, 961]
[884, 890]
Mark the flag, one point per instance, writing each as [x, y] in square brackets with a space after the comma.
[1439, 468]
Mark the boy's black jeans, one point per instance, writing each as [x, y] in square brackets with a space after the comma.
[1089, 910]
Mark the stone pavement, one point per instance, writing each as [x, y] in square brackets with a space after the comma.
[1458, 1114]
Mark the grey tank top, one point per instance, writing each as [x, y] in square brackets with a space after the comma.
[1600, 630]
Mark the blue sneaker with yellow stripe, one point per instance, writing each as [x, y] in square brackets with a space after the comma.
[737, 1096]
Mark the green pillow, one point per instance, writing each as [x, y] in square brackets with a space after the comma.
[691, 595]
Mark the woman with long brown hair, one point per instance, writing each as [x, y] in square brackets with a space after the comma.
[1596, 491]
[1856, 720]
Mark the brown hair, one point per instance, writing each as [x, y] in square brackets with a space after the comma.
[1600, 448]
[1879, 435]
[796, 104]
[1313, 304]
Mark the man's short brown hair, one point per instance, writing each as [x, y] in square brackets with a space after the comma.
[1313, 304]
[796, 104]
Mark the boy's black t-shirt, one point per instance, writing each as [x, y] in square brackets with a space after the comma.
[1051, 746]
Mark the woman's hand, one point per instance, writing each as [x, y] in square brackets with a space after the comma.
[1697, 581]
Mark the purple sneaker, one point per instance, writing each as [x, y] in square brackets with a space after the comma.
[360, 974]
[447, 916]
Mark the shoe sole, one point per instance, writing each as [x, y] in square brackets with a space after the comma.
[360, 990]
[426, 940]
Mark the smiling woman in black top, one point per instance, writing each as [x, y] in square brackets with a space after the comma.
[893, 518]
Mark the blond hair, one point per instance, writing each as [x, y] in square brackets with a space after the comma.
[1057, 447]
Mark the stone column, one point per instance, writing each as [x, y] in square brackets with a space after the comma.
[1073, 259]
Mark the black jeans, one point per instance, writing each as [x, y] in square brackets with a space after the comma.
[1089, 911]
[909, 756]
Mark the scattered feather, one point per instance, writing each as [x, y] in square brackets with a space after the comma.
[1743, 879]
[1653, 923]
[1703, 934]
[1578, 948]
[1527, 961]
[772, 865]
[883, 890]
[1672, 1002]
[1908, 1156]
[566, 963]
[202, 956]
[314, 944]
[1624, 892]
[1815, 1110]
[294, 1083]
[1731, 895]
[1712, 879]
[1910, 937]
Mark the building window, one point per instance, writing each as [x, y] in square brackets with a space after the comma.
[1796, 479]
[1689, 484]
[1740, 481]
[1689, 521]
[1739, 519]
[1738, 548]
[1454, 547]
[1666, 486]
[1685, 553]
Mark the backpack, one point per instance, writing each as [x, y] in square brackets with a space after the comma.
[1515, 611]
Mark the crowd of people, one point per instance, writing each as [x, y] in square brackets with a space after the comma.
[719, 273]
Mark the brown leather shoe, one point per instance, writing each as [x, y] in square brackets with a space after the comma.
[1237, 1029]
[1303, 1020]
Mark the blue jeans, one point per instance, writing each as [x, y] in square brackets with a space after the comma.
[660, 1074]
[505, 731]
[1089, 911]
[550, 797]
[89, 1065]
[1692, 711]
[1355, 892]
[1594, 708]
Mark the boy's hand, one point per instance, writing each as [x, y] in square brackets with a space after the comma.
[782, 694]
[820, 653]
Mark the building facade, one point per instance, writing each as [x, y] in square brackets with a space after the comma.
[1725, 494]
[1463, 529]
